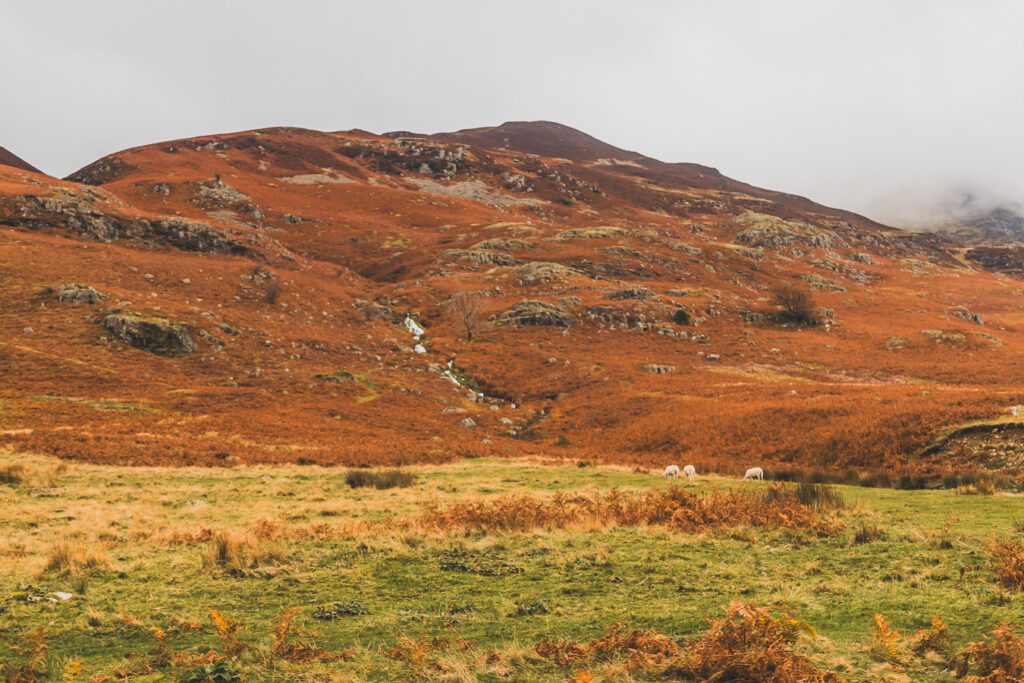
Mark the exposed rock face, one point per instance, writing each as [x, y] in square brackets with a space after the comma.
[819, 282]
[944, 337]
[1002, 259]
[772, 232]
[659, 368]
[598, 233]
[540, 272]
[503, 244]
[964, 314]
[538, 313]
[472, 190]
[79, 294]
[88, 215]
[632, 293]
[156, 335]
[481, 257]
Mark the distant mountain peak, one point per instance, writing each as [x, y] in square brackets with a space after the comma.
[543, 138]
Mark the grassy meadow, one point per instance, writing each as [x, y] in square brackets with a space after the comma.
[196, 574]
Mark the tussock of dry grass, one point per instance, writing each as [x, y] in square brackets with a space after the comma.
[386, 479]
[65, 558]
[12, 474]
[674, 508]
[238, 554]
[17, 474]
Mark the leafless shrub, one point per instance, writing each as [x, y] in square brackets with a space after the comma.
[466, 313]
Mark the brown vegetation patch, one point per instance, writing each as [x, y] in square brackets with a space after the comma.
[1006, 559]
[999, 661]
[673, 508]
[750, 644]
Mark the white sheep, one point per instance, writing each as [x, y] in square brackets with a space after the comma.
[672, 471]
[754, 473]
[689, 471]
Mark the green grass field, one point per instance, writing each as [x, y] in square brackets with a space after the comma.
[322, 543]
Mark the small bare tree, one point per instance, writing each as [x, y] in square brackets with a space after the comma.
[795, 306]
[466, 313]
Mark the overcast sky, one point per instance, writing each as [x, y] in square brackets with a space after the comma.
[883, 107]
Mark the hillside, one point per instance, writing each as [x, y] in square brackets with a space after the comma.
[626, 306]
[10, 159]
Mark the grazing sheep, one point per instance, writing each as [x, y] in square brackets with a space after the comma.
[672, 471]
[754, 473]
[689, 471]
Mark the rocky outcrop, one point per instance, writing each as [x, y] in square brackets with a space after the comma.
[89, 214]
[631, 293]
[819, 282]
[659, 368]
[541, 313]
[965, 314]
[542, 272]
[156, 335]
[945, 337]
[772, 232]
[598, 233]
[79, 294]
[503, 244]
[481, 257]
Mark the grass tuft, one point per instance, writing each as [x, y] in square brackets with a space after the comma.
[386, 479]
[65, 558]
[238, 555]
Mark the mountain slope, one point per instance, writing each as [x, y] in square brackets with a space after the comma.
[10, 159]
[623, 309]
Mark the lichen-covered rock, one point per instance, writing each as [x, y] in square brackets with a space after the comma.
[72, 293]
[964, 314]
[819, 282]
[659, 368]
[944, 337]
[632, 293]
[95, 215]
[481, 257]
[542, 313]
[503, 244]
[541, 272]
[600, 232]
[772, 232]
[156, 335]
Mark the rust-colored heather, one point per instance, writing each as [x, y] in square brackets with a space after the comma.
[647, 650]
[885, 641]
[999, 661]
[288, 646]
[673, 508]
[751, 645]
[1006, 559]
[932, 639]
